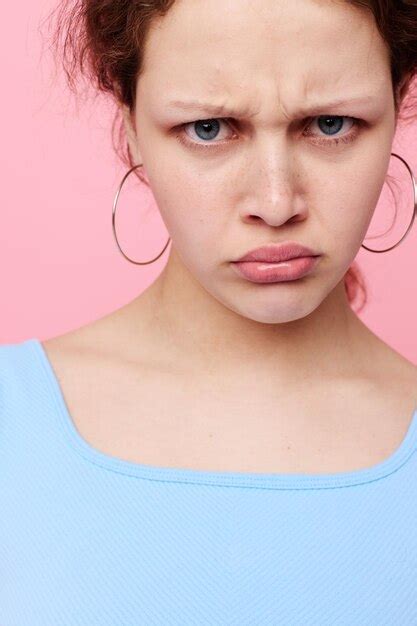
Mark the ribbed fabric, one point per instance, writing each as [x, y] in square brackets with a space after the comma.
[87, 539]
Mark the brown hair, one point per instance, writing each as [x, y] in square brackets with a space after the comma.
[104, 41]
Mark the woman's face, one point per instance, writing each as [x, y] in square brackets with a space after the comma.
[270, 166]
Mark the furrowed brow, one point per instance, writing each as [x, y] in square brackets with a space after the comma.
[212, 108]
[313, 109]
[333, 105]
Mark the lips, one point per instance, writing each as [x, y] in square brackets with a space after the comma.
[260, 264]
[275, 253]
[289, 270]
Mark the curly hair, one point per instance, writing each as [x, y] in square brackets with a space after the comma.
[103, 41]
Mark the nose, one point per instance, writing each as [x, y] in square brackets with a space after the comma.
[274, 195]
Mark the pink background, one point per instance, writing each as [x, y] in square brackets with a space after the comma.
[59, 265]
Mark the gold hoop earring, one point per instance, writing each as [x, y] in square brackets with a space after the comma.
[114, 219]
[414, 210]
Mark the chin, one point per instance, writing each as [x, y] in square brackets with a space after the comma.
[278, 309]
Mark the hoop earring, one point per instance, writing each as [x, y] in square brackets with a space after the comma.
[114, 226]
[413, 180]
[414, 183]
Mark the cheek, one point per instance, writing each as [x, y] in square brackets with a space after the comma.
[190, 213]
[350, 206]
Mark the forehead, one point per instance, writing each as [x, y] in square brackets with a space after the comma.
[240, 49]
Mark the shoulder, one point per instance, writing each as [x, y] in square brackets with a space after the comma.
[21, 377]
[14, 358]
[396, 369]
[89, 353]
[121, 338]
[72, 352]
[394, 379]
[87, 341]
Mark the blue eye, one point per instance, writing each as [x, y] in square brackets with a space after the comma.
[207, 127]
[331, 122]
[329, 126]
[206, 130]
[334, 123]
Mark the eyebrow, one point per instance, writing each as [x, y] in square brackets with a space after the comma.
[313, 109]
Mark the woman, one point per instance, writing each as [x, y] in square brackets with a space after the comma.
[184, 460]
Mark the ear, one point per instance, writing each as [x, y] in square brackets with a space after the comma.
[130, 129]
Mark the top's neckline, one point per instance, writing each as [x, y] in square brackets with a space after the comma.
[232, 479]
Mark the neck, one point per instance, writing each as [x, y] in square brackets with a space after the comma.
[187, 325]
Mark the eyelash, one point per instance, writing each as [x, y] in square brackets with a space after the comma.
[347, 138]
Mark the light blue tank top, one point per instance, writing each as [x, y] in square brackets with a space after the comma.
[87, 539]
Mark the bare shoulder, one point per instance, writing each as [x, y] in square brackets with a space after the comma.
[83, 341]
[94, 363]
[124, 334]
[104, 355]
[84, 354]
[106, 338]
[390, 386]
[395, 370]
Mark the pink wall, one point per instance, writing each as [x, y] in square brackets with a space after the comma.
[59, 265]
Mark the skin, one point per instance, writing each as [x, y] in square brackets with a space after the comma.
[268, 181]
[207, 337]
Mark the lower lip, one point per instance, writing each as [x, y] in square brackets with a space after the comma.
[292, 269]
